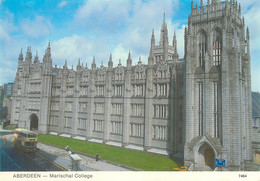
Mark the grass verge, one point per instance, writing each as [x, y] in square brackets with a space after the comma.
[131, 158]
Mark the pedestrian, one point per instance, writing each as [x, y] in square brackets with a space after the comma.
[97, 157]
[67, 147]
[4, 140]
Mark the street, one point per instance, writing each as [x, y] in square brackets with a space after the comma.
[12, 159]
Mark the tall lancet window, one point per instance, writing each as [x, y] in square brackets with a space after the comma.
[216, 112]
[200, 111]
[216, 48]
[231, 35]
[202, 48]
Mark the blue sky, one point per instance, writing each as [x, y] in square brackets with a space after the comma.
[86, 28]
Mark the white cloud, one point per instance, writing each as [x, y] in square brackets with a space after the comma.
[36, 28]
[120, 53]
[71, 48]
[6, 27]
[106, 15]
[120, 26]
[62, 4]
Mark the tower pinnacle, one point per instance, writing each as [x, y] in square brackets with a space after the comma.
[110, 62]
[93, 64]
[20, 58]
[129, 55]
[129, 61]
[164, 23]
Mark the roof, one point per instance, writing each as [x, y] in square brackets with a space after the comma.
[25, 131]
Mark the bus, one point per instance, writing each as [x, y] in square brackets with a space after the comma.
[25, 140]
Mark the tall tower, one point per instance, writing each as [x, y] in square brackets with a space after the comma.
[164, 51]
[218, 88]
[44, 114]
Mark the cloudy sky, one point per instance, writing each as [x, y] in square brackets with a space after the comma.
[86, 28]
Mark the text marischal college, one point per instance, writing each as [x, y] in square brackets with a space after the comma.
[198, 106]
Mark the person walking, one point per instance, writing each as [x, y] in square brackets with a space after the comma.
[97, 157]
[67, 147]
[4, 140]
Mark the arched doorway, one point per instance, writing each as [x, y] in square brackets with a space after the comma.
[206, 157]
[33, 122]
[209, 157]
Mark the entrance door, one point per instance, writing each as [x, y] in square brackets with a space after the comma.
[34, 122]
[209, 157]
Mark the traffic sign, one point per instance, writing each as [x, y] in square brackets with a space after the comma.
[219, 162]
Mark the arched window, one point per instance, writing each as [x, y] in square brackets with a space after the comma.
[202, 48]
[216, 48]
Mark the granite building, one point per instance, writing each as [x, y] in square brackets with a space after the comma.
[218, 103]
[199, 105]
[134, 106]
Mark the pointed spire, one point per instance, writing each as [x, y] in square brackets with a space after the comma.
[119, 62]
[36, 59]
[174, 42]
[129, 55]
[65, 65]
[86, 64]
[78, 66]
[153, 38]
[129, 61]
[110, 58]
[47, 58]
[151, 55]
[191, 4]
[20, 58]
[164, 33]
[140, 61]
[201, 2]
[185, 40]
[164, 23]
[49, 47]
[93, 64]
[152, 41]
[28, 57]
[110, 62]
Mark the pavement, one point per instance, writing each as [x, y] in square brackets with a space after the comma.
[62, 157]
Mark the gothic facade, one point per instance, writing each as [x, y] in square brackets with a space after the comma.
[127, 106]
[218, 88]
[199, 106]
